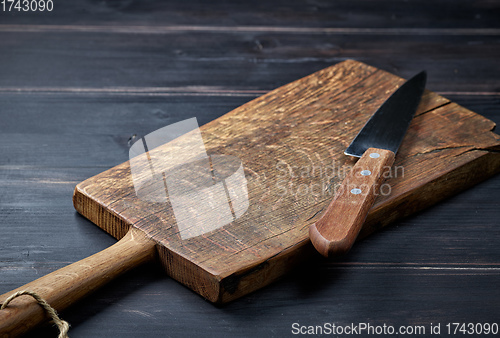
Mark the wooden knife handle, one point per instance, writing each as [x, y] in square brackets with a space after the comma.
[335, 232]
[65, 286]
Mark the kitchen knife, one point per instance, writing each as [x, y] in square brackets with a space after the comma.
[376, 145]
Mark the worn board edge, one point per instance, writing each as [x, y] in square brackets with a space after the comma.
[223, 289]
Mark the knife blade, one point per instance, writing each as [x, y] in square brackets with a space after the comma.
[376, 144]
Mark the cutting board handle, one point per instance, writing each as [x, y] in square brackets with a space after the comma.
[65, 286]
[335, 232]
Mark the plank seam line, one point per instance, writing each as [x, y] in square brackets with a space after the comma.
[420, 268]
[164, 91]
[246, 29]
[146, 91]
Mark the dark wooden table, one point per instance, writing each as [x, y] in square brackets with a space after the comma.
[77, 83]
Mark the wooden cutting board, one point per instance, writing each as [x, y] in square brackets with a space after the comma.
[291, 144]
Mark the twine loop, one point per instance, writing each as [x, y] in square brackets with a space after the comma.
[61, 324]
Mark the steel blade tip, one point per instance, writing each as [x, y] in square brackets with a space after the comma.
[387, 126]
[420, 78]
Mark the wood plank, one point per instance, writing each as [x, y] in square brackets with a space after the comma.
[444, 148]
[93, 131]
[35, 204]
[298, 14]
[168, 64]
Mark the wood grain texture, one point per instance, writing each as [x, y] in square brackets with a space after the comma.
[108, 64]
[65, 286]
[280, 15]
[282, 138]
[337, 229]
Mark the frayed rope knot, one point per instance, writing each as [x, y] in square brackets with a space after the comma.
[61, 324]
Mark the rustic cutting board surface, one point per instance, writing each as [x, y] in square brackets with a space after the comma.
[291, 142]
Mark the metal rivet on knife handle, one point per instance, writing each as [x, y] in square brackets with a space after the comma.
[356, 191]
